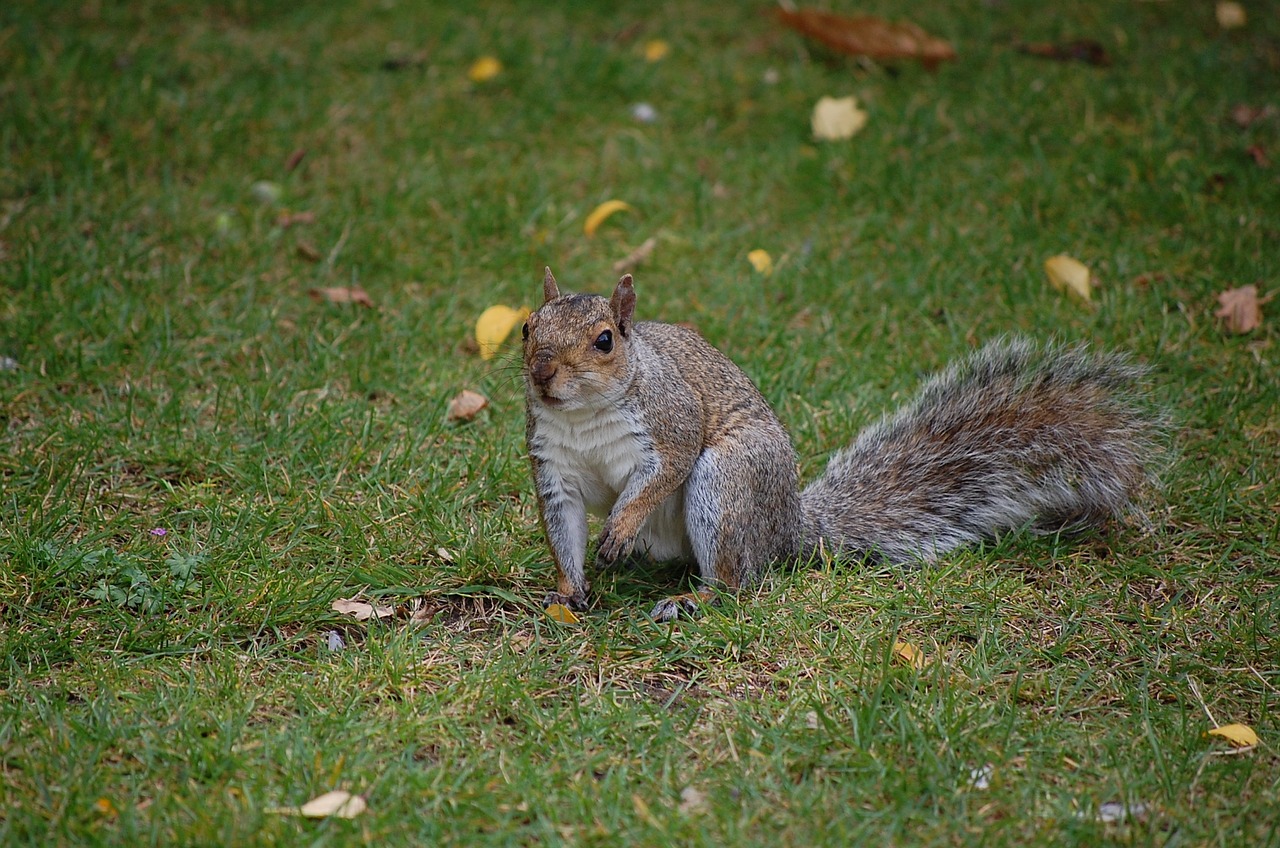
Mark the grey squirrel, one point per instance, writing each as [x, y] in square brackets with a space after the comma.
[649, 426]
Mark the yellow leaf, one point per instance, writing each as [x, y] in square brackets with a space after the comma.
[494, 325]
[837, 118]
[561, 613]
[1067, 274]
[484, 69]
[909, 654]
[600, 213]
[656, 50]
[1239, 735]
[105, 807]
[761, 261]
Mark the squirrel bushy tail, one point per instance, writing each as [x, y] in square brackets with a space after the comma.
[1013, 436]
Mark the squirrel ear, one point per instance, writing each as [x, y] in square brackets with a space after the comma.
[623, 304]
[550, 291]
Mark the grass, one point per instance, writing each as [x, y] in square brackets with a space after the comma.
[172, 372]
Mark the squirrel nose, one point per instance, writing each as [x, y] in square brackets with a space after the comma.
[542, 370]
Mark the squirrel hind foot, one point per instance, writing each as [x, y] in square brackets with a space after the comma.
[690, 604]
[577, 603]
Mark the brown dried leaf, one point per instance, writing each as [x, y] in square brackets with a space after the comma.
[1078, 50]
[1259, 155]
[287, 219]
[1241, 308]
[294, 160]
[362, 610]
[342, 294]
[635, 257]
[466, 405]
[865, 35]
[307, 251]
[1245, 116]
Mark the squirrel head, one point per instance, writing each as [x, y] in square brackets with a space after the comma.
[575, 347]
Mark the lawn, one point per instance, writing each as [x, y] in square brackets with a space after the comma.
[200, 452]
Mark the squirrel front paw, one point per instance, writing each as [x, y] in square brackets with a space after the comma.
[613, 547]
[577, 603]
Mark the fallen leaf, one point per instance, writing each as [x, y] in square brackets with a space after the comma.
[494, 325]
[306, 250]
[1241, 308]
[336, 804]
[1246, 116]
[287, 219]
[1239, 735]
[1259, 155]
[1114, 812]
[105, 807]
[561, 613]
[362, 610]
[1230, 14]
[837, 118]
[601, 212]
[909, 654]
[644, 113]
[635, 257]
[342, 294]
[466, 405]
[761, 261]
[869, 36]
[294, 160]
[656, 50]
[1068, 274]
[1078, 50]
[266, 192]
[692, 801]
[484, 69]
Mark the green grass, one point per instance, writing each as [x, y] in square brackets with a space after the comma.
[173, 373]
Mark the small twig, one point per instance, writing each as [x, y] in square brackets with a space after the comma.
[1195, 690]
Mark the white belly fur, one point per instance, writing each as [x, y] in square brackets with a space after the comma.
[596, 454]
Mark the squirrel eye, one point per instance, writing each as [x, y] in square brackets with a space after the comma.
[524, 331]
[604, 342]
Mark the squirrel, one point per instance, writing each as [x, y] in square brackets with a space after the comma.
[654, 429]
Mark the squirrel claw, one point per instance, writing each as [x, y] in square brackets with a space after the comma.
[669, 609]
[577, 603]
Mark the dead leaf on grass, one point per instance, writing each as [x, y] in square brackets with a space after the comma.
[561, 613]
[601, 213]
[287, 219]
[494, 325]
[342, 294]
[908, 654]
[294, 160]
[635, 257]
[1239, 735]
[306, 250]
[865, 35]
[761, 261]
[1068, 274]
[362, 610]
[692, 801]
[466, 405]
[1077, 50]
[337, 804]
[484, 69]
[1241, 308]
[1245, 115]
[1259, 155]
[1230, 14]
[837, 118]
